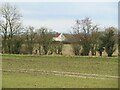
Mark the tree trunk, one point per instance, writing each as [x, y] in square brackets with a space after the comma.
[110, 55]
[100, 53]
[39, 49]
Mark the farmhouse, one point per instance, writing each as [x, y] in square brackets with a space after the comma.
[59, 37]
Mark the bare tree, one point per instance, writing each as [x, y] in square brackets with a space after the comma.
[30, 39]
[10, 25]
[44, 39]
[85, 30]
[94, 41]
[100, 44]
[109, 40]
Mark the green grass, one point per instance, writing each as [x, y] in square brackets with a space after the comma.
[33, 80]
[89, 65]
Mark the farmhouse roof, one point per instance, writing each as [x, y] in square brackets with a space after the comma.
[56, 35]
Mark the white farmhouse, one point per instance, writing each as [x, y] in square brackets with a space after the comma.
[59, 37]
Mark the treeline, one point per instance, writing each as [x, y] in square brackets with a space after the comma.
[89, 38]
[17, 39]
[85, 38]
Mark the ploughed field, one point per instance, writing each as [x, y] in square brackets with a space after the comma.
[34, 71]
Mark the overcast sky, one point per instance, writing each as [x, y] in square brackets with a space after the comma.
[61, 16]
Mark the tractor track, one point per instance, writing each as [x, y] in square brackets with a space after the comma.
[61, 73]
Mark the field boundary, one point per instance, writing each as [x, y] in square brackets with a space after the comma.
[70, 74]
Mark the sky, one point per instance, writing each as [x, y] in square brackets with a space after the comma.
[61, 16]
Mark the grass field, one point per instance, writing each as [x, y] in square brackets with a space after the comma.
[32, 71]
